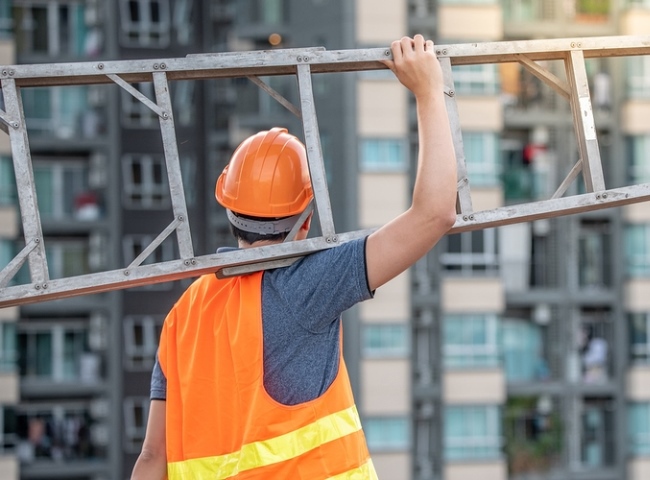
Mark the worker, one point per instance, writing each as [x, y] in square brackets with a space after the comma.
[250, 380]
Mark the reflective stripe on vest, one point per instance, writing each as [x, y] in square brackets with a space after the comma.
[279, 449]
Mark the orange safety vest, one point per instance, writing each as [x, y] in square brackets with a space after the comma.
[221, 422]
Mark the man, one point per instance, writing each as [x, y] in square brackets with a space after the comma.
[251, 381]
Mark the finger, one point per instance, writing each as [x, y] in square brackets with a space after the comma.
[418, 42]
[407, 45]
[396, 47]
[428, 46]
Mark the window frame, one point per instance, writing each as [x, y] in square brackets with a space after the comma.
[151, 326]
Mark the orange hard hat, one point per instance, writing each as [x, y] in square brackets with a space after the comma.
[268, 176]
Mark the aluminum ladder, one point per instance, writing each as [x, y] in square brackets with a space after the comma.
[303, 63]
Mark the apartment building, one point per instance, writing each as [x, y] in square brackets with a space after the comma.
[475, 362]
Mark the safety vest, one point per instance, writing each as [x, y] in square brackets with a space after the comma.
[221, 422]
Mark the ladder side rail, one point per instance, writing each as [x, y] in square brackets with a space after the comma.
[179, 269]
[172, 160]
[583, 122]
[463, 197]
[315, 153]
[283, 62]
[25, 185]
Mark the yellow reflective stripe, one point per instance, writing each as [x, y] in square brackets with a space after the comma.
[268, 452]
[364, 472]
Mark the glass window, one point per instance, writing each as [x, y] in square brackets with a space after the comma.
[53, 352]
[637, 250]
[53, 27]
[63, 190]
[479, 79]
[597, 435]
[182, 21]
[8, 350]
[67, 257]
[136, 412]
[145, 181]
[57, 111]
[134, 112]
[388, 433]
[470, 341]
[482, 158]
[638, 427]
[145, 23]
[8, 193]
[522, 347]
[638, 76]
[58, 432]
[8, 436]
[6, 19]
[141, 335]
[639, 336]
[472, 432]
[385, 340]
[383, 155]
[638, 153]
[594, 258]
[471, 252]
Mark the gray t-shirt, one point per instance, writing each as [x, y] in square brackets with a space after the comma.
[301, 313]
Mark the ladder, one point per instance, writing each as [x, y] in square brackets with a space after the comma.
[303, 63]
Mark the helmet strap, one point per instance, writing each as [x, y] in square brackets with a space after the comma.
[271, 226]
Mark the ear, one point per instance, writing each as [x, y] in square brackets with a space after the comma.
[307, 223]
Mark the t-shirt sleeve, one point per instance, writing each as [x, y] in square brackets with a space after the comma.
[325, 284]
[158, 389]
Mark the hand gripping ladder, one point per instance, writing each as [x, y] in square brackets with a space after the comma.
[302, 63]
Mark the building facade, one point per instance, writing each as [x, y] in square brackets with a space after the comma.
[519, 352]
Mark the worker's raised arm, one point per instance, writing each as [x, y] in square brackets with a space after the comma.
[399, 244]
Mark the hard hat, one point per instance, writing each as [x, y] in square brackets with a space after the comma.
[268, 176]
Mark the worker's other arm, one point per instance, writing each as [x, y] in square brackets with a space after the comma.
[152, 461]
[399, 244]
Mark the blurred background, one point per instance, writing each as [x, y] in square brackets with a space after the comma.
[513, 353]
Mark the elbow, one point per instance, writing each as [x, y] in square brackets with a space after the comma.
[447, 219]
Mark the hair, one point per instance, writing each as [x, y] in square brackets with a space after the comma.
[251, 237]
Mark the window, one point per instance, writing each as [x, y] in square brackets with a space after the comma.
[471, 252]
[63, 190]
[58, 432]
[389, 433]
[134, 112]
[141, 335]
[637, 250]
[525, 10]
[56, 352]
[482, 156]
[597, 445]
[136, 412]
[638, 75]
[67, 257]
[8, 352]
[472, 432]
[8, 193]
[380, 341]
[183, 93]
[639, 336]
[638, 148]
[145, 181]
[471, 341]
[594, 258]
[522, 347]
[269, 12]
[476, 79]
[182, 21]
[383, 155]
[57, 111]
[134, 245]
[54, 28]
[638, 427]
[145, 23]
[8, 437]
[6, 19]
